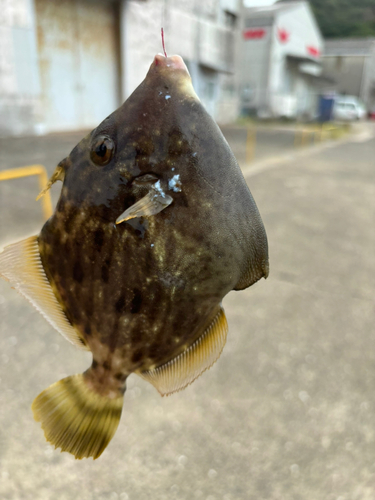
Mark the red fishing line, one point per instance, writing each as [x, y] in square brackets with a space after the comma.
[162, 41]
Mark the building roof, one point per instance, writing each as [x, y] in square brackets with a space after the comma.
[349, 46]
[273, 9]
[269, 13]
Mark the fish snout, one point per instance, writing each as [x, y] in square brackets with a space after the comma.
[171, 62]
[173, 73]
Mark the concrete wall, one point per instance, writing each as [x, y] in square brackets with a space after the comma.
[78, 62]
[19, 77]
[347, 71]
[296, 36]
[49, 53]
[353, 74]
[255, 41]
[368, 87]
[54, 66]
[303, 33]
[274, 83]
[194, 30]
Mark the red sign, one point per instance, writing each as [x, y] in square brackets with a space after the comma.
[313, 51]
[254, 34]
[283, 35]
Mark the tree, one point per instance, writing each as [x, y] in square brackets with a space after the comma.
[345, 18]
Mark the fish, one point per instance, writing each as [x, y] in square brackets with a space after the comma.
[154, 225]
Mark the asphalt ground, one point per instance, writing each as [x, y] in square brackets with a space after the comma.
[264, 141]
[287, 413]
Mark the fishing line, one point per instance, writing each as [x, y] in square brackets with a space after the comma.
[163, 23]
[162, 41]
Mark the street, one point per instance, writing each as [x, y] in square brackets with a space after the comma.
[287, 412]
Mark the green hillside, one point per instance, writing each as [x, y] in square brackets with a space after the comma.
[345, 18]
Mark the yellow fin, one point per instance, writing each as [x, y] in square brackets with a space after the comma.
[77, 419]
[21, 265]
[190, 364]
[151, 204]
[58, 175]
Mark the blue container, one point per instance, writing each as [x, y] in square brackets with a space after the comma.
[326, 108]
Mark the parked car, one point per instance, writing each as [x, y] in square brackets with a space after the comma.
[348, 108]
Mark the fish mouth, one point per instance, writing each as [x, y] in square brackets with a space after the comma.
[171, 62]
[171, 71]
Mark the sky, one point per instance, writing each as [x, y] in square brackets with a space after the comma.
[258, 3]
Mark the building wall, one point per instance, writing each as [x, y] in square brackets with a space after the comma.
[227, 108]
[194, 30]
[301, 33]
[368, 87]
[78, 68]
[347, 71]
[274, 81]
[253, 68]
[296, 36]
[353, 74]
[66, 64]
[19, 77]
[56, 72]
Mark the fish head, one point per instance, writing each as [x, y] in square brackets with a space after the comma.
[131, 149]
[162, 138]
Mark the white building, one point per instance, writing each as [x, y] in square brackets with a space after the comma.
[202, 32]
[19, 77]
[280, 52]
[67, 64]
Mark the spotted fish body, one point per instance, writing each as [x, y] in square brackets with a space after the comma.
[144, 294]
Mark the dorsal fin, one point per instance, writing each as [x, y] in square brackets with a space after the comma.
[21, 265]
[190, 364]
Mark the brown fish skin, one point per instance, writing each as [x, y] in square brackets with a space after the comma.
[140, 292]
[154, 226]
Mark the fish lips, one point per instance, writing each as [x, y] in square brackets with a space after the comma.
[171, 63]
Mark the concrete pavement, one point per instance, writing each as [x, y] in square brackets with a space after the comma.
[287, 413]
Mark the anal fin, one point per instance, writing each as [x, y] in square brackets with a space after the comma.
[181, 371]
[21, 265]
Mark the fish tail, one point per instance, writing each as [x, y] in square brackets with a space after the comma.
[77, 419]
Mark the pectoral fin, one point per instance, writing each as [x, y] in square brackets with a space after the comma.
[154, 202]
[21, 265]
[58, 175]
[190, 364]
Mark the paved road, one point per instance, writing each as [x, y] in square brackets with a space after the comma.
[287, 413]
[269, 141]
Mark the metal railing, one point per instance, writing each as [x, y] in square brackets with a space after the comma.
[318, 133]
[40, 171]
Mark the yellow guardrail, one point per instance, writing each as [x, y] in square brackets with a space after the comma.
[318, 133]
[251, 140]
[17, 173]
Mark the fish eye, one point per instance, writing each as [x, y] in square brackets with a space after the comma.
[102, 150]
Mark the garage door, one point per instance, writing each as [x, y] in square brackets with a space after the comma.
[78, 47]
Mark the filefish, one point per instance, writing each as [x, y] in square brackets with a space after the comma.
[154, 225]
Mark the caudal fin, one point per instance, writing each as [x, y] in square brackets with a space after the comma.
[77, 419]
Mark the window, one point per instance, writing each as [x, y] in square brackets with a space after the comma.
[258, 22]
